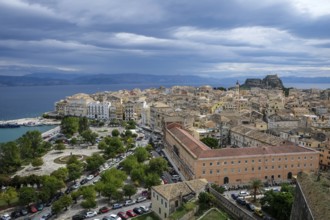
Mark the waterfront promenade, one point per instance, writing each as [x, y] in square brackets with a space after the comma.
[32, 121]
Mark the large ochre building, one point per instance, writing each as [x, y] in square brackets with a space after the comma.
[236, 166]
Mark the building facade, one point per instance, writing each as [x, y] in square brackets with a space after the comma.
[98, 110]
[236, 165]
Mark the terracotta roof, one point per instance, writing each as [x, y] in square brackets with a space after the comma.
[249, 151]
[170, 191]
[196, 147]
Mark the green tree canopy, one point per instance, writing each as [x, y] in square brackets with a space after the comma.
[37, 162]
[69, 126]
[94, 161]
[31, 144]
[158, 165]
[83, 125]
[61, 173]
[138, 174]
[129, 163]
[129, 190]
[27, 195]
[59, 146]
[211, 142]
[9, 195]
[75, 171]
[115, 133]
[51, 184]
[10, 158]
[141, 154]
[152, 179]
[89, 136]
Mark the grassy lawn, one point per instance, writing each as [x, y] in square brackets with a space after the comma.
[215, 214]
[149, 216]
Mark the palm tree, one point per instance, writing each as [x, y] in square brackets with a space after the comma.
[256, 185]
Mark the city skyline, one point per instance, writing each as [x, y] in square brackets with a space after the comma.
[209, 38]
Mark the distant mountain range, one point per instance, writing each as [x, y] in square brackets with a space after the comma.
[44, 79]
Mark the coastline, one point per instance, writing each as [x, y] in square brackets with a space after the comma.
[38, 121]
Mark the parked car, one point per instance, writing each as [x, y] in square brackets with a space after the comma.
[141, 199]
[234, 196]
[83, 181]
[144, 208]
[104, 209]
[241, 201]
[250, 206]
[130, 213]
[15, 214]
[24, 211]
[90, 177]
[113, 217]
[129, 202]
[46, 216]
[33, 209]
[138, 210]
[258, 212]
[123, 215]
[243, 193]
[117, 206]
[75, 186]
[40, 206]
[5, 216]
[90, 214]
[78, 217]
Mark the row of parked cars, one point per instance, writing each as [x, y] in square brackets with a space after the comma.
[239, 198]
[120, 215]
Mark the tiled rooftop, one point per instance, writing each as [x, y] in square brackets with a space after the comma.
[170, 191]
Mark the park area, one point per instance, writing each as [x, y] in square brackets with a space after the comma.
[214, 214]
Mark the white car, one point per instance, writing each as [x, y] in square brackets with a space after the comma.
[129, 202]
[144, 208]
[90, 214]
[5, 217]
[141, 199]
[114, 217]
[243, 193]
[90, 177]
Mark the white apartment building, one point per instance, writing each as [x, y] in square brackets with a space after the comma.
[145, 114]
[98, 110]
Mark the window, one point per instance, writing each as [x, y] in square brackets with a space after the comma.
[285, 166]
[259, 160]
[161, 201]
[259, 168]
[203, 172]
[311, 157]
[272, 167]
[279, 166]
[279, 176]
[279, 159]
[266, 167]
[211, 163]
[252, 168]
[211, 171]
[292, 165]
[232, 170]
[160, 211]
[218, 171]
[225, 162]
[272, 159]
[298, 158]
[165, 204]
[266, 177]
[153, 194]
[232, 162]
[246, 161]
[252, 161]
[203, 164]
[286, 159]
[157, 197]
[239, 170]
[239, 161]
[245, 169]
[218, 163]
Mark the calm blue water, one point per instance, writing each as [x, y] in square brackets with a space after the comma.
[26, 101]
[10, 134]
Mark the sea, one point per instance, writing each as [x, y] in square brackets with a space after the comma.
[32, 101]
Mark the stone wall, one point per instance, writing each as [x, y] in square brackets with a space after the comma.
[300, 209]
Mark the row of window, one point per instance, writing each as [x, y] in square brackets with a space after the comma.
[161, 199]
[218, 163]
[225, 170]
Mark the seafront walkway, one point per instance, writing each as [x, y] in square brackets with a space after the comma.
[32, 121]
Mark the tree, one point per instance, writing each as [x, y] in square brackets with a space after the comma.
[89, 136]
[129, 163]
[31, 144]
[129, 190]
[61, 173]
[27, 195]
[10, 158]
[69, 126]
[115, 133]
[73, 141]
[9, 195]
[94, 161]
[59, 146]
[37, 162]
[210, 142]
[75, 195]
[51, 185]
[57, 207]
[114, 146]
[141, 154]
[108, 191]
[99, 186]
[152, 179]
[102, 145]
[75, 171]
[138, 174]
[83, 125]
[278, 204]
[256, 184]
[158, 165]
[130, 125]
[88, 203]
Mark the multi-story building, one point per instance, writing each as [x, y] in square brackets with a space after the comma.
[98, 110]
[77, 105]
[158, 111]
[129, 111]
[167, 198]
[236, 165]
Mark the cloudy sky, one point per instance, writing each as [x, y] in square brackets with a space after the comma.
[218, 38]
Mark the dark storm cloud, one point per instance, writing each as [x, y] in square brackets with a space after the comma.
[209, 37]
